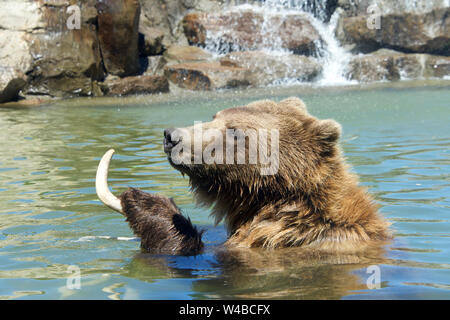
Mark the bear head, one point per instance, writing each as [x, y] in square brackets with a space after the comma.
[255, 155]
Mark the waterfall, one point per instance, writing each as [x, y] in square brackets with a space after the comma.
[329, 53]
[334, 57]
[318, 8]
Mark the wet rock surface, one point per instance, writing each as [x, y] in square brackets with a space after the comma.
[58, 61]
[178, 54]
[135, 85]
[408, 32]
[154, 65]
[150, 41]
[265, 69]
[15, 57]
[67, 68]
[118, 26]
[243, 69]
[353, 8]
[438, 67]
[167, 14]
[206, 75]
[252, 30]
[389, 65]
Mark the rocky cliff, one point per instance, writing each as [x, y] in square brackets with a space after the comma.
[62, 48]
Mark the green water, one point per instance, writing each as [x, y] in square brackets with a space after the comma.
[397, 140]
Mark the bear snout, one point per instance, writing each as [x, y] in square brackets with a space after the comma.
[169, 140]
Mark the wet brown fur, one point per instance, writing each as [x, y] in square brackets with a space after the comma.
[160, 225]
[313, 201]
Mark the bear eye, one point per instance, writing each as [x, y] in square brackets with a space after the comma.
[232, 128]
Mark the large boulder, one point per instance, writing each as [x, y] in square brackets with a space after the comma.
[155, 14]
[66, 62]
[423, 32]
[166, 15]
[265, 69]
[15, 50]
[179, 54]
[389, 65]
[353, 8]
[18, 20]
[154, 65]
[437, 67]
[35, 39]
[243, 69]
[21, 15]
[135, 85]
[372, 67]
[239, 30]
[118, 27]
[206, 75]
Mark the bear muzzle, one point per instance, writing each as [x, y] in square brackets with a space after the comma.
[169, 140]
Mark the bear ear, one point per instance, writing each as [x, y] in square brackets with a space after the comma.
[262, 105]
[293, 102]
[329, 131]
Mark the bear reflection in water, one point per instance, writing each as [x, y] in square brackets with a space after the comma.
[312, 201]
[257, 273]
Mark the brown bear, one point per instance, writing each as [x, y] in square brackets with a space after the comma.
[312, 200]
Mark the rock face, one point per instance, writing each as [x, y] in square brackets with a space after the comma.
[66, 69]
[240, 30]
[129, 37]
[155, 65]
[418, 31]
[437, 67]
[243, 69]
[135, 85]
[118, 23]
[65, 62]
[206, 75]
[353, 8]
[427, 32]
[389, 65]
[37, 41]
[180, 54]
[15, 60]
[18, 19]
[265, 69]
[150, 41]
[369, 68]
[166, 15]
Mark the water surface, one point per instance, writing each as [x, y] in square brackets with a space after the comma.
[397, 140]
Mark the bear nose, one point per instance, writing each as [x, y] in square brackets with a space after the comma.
[169, 142]
[168, 132]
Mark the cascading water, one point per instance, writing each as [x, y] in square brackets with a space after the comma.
[320, 9]
[328, 52]
[334, 57]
